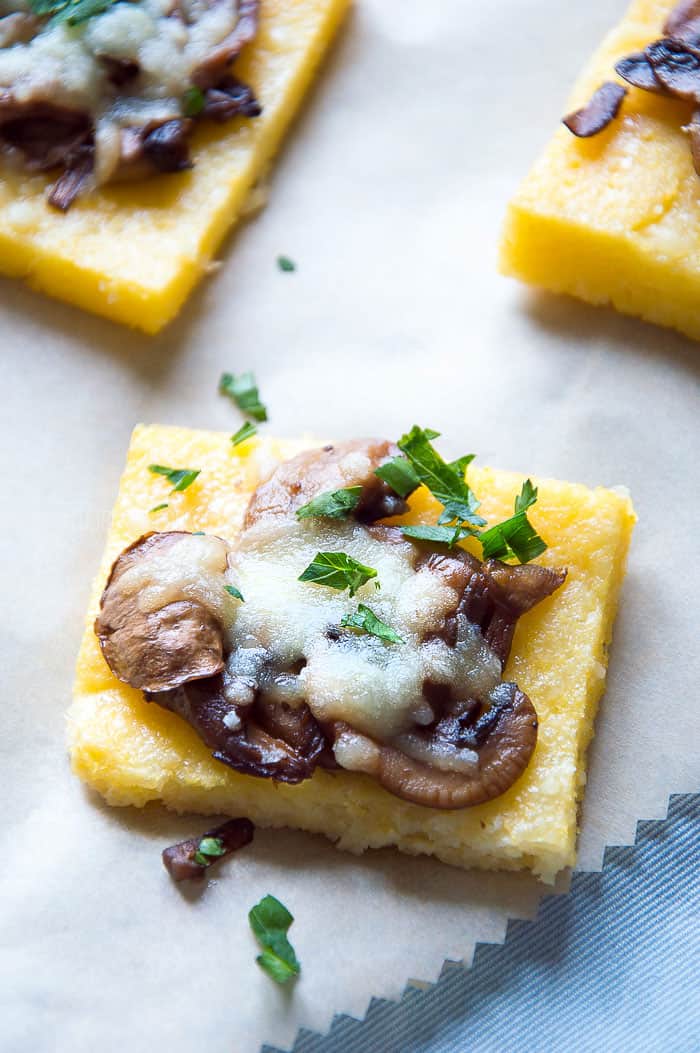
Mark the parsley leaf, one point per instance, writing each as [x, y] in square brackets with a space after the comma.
[209, 849]
[193, 101]
[71, 11]
[446, 535]
[444, 483]
[515, 538]
[334, 504]
[399, 475]
[337, 570]
[180, 478]
[270, 920]
[245, 432]
[233, 591]
[365, 620]
[244, 392]
[285, 264]
[460, 465]
[158, 508]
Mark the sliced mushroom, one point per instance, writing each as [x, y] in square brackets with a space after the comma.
[684, 22]
[503, 740]
[637, 70]
[676, 66]
[161, 649]
[181, 861]
[230, 98]
[602, 108]
[264, 740]
[493, 595]
[295, 482]
[216, 65]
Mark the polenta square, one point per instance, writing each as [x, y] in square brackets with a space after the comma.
[133, 751]
[615, 219]
[133, 251]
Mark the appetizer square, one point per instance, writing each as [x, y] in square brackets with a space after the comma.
[133, 751]
[132, 250]
[613, 217]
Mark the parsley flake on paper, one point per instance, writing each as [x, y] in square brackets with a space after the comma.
[243, 390]
[270, 920]
[285, 264]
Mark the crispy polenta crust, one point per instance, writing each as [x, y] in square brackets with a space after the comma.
[133, 752]
[133, 252]
[615, 219]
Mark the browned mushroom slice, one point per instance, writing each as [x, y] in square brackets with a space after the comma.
[503, 742]
[156, 650]
[493, 595]
[189, 859]
[352, 463]
[263, 740]
[230, 98]
[637, 70]
[599, 111]
[216, 65]
[684, 22]
[676, 66]
[73, 180]
[45, 133]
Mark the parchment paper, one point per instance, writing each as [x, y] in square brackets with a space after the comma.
[389, 196]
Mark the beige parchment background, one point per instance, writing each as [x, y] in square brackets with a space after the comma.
[389, 195]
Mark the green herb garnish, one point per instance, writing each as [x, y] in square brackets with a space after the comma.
[515, 538]
[445, 484]
[158, 508]
[337, 570]
[285, 264]
[180, 478]
[335, 504]
[233, 591]
[270, 921]
[209, 849]
[193, 101]
[246, 431]
[243, 390]
[72, 12]
[444, 535]
[365, 620]
[399, 475]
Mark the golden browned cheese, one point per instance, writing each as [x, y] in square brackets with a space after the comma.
[133, 752]
[133, 252]
[616, 218]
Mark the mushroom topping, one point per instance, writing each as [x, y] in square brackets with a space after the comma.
[684, 22]
[599, 111]
[192, 858]
[160, 624]
[402, 682]
[114, 93]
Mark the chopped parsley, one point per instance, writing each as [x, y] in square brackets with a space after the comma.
[233, 591]
[337, 570]
[193, 101]
[365, 620]
[445, 484]
[335, 504]
[158, 508]
[243, 390]
[209, 849]
[515, 538]
[180, 478]
[399, 475]
[285, 264]
[444, 535]
[270, 920]
[71, 11]
[245, 432]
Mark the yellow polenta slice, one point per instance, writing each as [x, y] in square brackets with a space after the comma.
[133, 752]
[133, 252]
[616, 218]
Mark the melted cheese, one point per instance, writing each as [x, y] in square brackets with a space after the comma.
[63, 64]
[374, 686]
